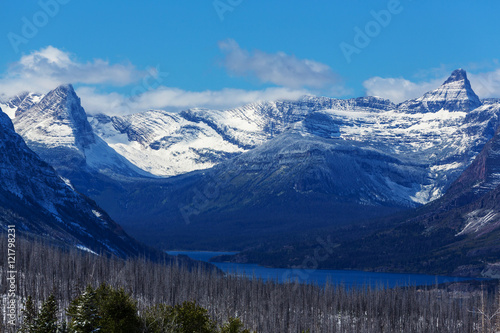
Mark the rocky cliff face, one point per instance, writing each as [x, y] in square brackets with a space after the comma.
[57, 120]
[42, 204]
[455, 94]
[57, 129]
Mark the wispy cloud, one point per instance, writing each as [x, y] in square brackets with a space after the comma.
[174, 99]
[279, 68]
[486, 84]
[398, 89]
[50, 67]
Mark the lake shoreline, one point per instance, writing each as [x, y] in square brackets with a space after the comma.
[349, 278]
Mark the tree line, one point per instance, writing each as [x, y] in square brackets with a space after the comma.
[161, 291]
[109, 310]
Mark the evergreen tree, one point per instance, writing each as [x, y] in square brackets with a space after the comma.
[185, 318]
[159, 319]
[29, 314]
[191, 318]
[63, 328]
[117, 310]
[234, 325]
[84, 313]
[47, 319]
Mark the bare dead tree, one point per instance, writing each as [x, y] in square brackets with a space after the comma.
[262, 306]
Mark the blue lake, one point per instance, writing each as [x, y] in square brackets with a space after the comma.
[319, 276]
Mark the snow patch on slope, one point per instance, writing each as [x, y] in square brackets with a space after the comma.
[9, 111]
[163, 143]
[86, 249]
[477, 220]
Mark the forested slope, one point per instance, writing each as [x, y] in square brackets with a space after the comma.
[261, 306]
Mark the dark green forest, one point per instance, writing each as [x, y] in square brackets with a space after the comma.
[106, 309]
[60, 290]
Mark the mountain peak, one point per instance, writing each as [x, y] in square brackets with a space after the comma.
[457, 75]
[67, 92]
[458, 81]
[455, 94]
[66, 88]
[458, 87]
[61, 108]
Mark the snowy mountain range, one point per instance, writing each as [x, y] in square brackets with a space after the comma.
[216, 178]
[445, 128]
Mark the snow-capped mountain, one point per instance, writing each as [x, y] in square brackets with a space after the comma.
[444, 129]
[55, 126]
[43, 204]
[169, 144]
[441, 135]
[455, 94]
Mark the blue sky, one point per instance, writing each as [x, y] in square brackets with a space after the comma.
[126, 56]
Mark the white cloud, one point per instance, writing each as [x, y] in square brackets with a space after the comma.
[45, 69]
[280, 69]
[486, 84]
[174, 99]
[49, 67]
[398, 89]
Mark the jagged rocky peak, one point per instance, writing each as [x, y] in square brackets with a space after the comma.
[458, 75]
[66, 104]
[21, 101]
[60, 116]
[455, 94]
[24, 100]
[459, 83]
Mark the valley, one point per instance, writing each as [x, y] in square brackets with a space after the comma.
[267, 178]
